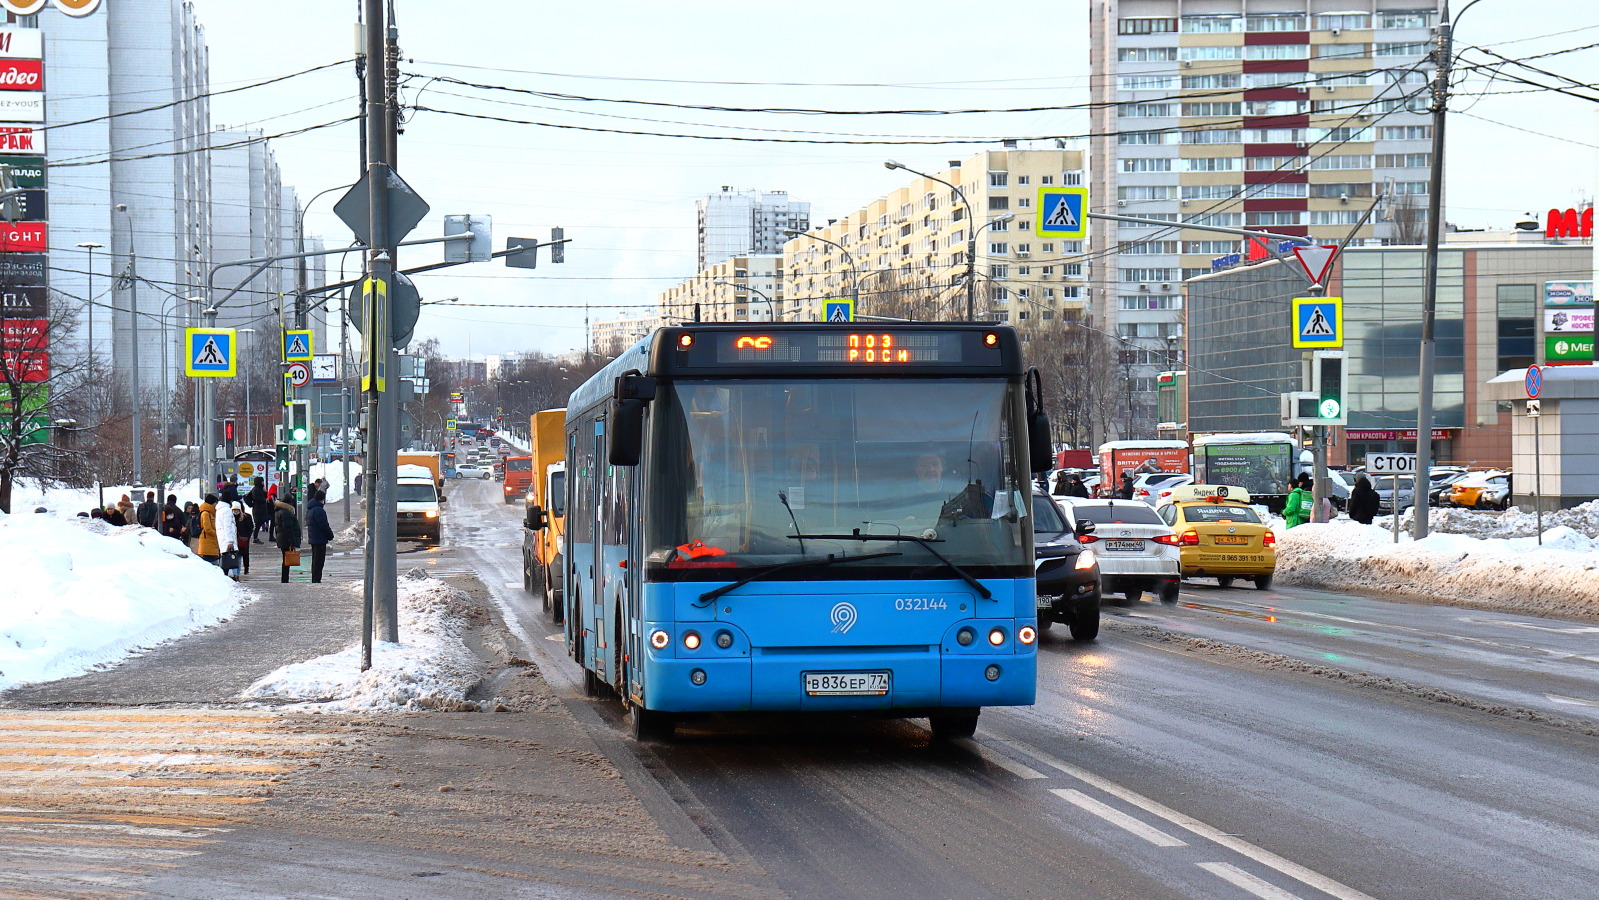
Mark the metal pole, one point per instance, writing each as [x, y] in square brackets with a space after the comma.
[138, 399]
[381, 409]
[1429, 303]
[1537, 470]
[207, 414]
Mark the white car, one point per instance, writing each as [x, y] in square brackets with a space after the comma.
[473, 470]
[1147, 487]
[1137, 552]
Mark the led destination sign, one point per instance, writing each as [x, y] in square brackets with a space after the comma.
[879, 348]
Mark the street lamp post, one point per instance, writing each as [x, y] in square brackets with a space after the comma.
[971, 238]
[249, 416]
[771, 308]
[849, 259]
[133, 309]
[88, 301]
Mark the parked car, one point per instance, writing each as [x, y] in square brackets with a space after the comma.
[1442, 484]
[1067, 573]
[1339, 484]
[1220, 535]
[472, 470]
[1384, 485]
[1137, 552]
[1482, 490]
[1147, 487]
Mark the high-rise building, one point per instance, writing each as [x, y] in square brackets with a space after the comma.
[743, 223]
[1290, 117]
[743, 288]
[905, 255]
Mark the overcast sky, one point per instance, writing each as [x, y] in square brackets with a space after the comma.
[627, 201]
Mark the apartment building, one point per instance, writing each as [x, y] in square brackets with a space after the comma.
[744, 223]
[609, 337]
[742, 288]
[906, 255]
[1288, 116]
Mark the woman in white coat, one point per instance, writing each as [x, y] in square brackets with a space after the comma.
[228, 540]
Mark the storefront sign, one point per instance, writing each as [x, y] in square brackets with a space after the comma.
[1576, 348]
[21, 43]
[24, 269]
[21, 74]
[29, 302]
[26, 366]
[21, 139]
[74, 8]
[1565, 321]
[1568, 293]
[32, 205]
[24, 237]
[1394, 434]
[21, 106]
[25, 334]
[26, 171]
[1569, 223]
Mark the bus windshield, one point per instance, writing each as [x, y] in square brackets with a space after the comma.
[760, 471]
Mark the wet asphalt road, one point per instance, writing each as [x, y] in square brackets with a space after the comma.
[1369, 749]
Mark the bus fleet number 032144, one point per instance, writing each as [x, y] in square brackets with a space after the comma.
[914, 604]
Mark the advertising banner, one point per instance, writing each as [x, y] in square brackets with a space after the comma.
[1566, 321]
[1568, 293]
[24, 237]
[1257, 468]
[27, 302]
[32, 205]
[27, 366]
[24, 269]
[21, 43]
[21, 106]
[1568, 349]
[26, 171]
[21, 74]
[24, 334]
[20, 138]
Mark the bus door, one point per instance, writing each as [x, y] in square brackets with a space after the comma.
[632, 584]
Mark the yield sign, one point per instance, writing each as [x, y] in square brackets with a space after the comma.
[1316, 261]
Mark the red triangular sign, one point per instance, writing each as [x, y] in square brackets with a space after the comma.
[1316, 261]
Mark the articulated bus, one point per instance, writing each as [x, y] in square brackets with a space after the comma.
[806, 517]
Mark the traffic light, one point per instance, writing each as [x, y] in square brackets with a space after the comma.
[557, 245]
[1330, 382]
[227, 438]
[299, 430]
[283, 458]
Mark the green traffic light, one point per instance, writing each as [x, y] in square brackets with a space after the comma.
[1329, 408]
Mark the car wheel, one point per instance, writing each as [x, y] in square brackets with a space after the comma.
[1482, 504]
[1133, 596]
[954, 724]
[1168, 594]
[1085, 625]
[1225, 581]
[1262, 582]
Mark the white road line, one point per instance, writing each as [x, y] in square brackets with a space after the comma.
[1265, 890]
[1008, 764]
[1238, 845]
[1118, 818]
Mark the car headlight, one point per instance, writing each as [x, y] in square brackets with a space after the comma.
[1086, 560]
[433, 514]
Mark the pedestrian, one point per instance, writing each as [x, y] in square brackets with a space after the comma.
[149, 511]
[191, 511]
[206, 547]
[227, 541]
[174, 524]
[1296, 509]
[113, 516]
[318, 533]
[1075, 487]
[125, 507]
[1362, 500]
[229, 491]
[358, 483]
[287, 526]
[1126, 492]
[259, 506]
[271, 517]
[245, 525]
[97, 513]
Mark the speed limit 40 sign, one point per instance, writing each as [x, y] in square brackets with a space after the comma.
[1391, 463]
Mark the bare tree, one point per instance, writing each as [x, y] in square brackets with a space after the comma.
[1084, 387]
[1409, 218]
[38, 389]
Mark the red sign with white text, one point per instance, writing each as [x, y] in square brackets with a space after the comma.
[21, 139]
[27, 366]
[25, 334]
[24, 237]
[21, 74]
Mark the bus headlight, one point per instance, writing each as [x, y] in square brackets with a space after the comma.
[691, 640]
[996, 637]
[724, 639]
[659, 639]
[965, 636]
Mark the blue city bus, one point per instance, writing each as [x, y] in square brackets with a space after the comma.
[806, 517]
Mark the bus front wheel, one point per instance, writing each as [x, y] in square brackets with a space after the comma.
[650, 725]
[955, 723]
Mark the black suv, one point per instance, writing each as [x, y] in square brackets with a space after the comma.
[1068, 576]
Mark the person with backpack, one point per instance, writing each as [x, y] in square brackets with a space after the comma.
[286, 525]
[149, 512]
[259, 506]
[245, 526]
[1301, 500]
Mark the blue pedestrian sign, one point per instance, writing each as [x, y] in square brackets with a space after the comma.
[1319, 322]
[1062, 213]
[838, 310]
[210, 353]
[297, 346]
[1534, 382]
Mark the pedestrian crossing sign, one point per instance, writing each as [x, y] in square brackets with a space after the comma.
[210, 353]
[1319, 322]
[297, 346]
[1062, 213]
[838, 310]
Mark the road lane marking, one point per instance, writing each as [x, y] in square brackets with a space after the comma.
[1118, 818]
[1215, 835]
[1008, 764]
[1265, 890]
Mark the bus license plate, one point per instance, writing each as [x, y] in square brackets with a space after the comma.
[846, 684]
[1231, 539]
[1124, 545]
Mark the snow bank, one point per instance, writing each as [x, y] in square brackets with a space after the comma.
[432, 668]
[79, 594]
[1506, 573]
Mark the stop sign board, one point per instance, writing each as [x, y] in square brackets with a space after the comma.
[1391, 463]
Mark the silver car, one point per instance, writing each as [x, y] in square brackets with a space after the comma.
[1137, 552]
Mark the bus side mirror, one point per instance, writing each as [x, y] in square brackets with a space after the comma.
[626, 426]
[1038, 445]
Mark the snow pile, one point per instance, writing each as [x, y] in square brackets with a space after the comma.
[1561, 578]
[29, 494]
[333, 473]
[431, 669]
[80, 593]
[1512, 523]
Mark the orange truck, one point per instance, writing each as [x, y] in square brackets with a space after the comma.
[545, 521]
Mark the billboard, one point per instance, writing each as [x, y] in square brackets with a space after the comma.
[1568, 293]
[1566, 321]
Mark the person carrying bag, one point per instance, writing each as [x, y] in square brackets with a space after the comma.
[286, 526]
[227, 537]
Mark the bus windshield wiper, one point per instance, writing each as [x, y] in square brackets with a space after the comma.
[709, 596]
[926, 543]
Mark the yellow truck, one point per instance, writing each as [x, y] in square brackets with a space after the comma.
[422, 458]
[545, 523]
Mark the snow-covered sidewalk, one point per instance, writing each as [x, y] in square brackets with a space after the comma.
[78, 594]
[1470, 559]
[432, 667]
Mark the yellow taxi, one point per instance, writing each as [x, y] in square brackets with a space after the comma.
[1219, 535]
